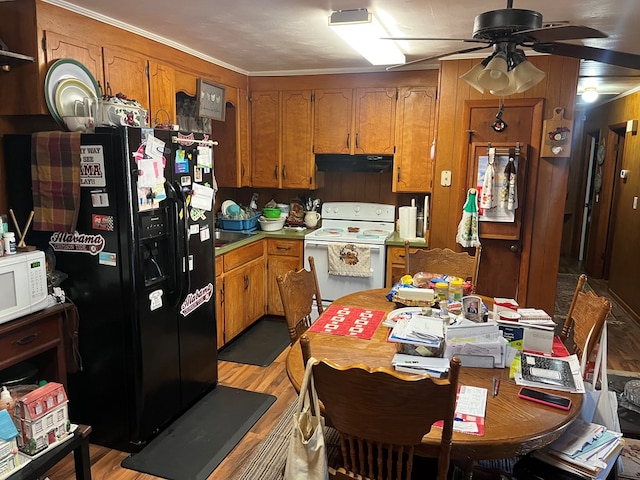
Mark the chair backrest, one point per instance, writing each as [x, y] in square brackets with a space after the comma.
[298, 290]
[587, 311]
[442, 260]
[382, 415]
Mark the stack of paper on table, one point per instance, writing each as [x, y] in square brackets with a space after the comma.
[434, 366]
[480, 340]
[585, 449]
[471, 404]
[418, 330]
[535, 316]
[556, 373]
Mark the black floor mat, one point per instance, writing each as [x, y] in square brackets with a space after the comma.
[260, 344]
[195, 444]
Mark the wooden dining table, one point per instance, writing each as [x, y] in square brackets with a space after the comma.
[513, 426]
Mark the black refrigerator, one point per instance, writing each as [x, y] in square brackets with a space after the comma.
[140, 270]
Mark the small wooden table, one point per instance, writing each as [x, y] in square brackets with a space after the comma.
[79, 445]
[512, 426]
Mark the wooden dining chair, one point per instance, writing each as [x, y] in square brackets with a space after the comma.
[587, 311]
[298, 290]
[442, 260]
[381, 416]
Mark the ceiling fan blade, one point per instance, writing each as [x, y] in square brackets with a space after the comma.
[471, 40]
[435, 57]
[561, 32]
[611, 57]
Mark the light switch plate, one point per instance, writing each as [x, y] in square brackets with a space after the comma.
[445, 178]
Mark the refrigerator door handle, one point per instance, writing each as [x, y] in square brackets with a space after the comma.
[181, 230]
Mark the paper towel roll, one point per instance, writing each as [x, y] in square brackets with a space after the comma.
[407, 216]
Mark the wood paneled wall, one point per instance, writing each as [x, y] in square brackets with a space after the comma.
[542, 227]
[625, 254]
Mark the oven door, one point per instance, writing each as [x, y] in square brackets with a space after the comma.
[335, 286]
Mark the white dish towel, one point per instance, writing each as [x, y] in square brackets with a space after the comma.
[349, 260]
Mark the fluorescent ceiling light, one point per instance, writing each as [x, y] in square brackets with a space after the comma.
[362, 31]
[590, 94]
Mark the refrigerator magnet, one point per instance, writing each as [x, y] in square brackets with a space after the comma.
[108, 258]
[205, 234]
[185, 180]
[155, 300]
[197, 174]
[194, 229]
[102, 222]
[197, 214]
[181, 163]
[99, 199]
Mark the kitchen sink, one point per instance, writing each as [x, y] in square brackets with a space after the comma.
[223, 238]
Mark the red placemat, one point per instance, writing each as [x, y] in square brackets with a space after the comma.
[348, 321]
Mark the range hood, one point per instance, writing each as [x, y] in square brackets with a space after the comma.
[354, 163]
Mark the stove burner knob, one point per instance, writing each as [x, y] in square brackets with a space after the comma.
[356, 208]
[379, 212]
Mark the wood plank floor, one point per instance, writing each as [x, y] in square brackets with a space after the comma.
[624, 354]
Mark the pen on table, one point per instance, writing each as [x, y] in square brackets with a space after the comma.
[496, 386]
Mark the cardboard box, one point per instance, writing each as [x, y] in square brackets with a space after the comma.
[42, 418]
[532, 338]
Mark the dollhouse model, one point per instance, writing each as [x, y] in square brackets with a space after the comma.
[42, 418]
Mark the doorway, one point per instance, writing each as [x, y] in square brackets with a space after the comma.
[600, 201]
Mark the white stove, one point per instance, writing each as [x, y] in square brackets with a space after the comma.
[365, 225]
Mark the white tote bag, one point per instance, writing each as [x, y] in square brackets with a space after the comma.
[307, 455]
[600, 406]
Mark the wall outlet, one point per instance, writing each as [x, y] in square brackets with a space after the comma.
[445, 178]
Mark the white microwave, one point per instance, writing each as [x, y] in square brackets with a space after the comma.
[23, 284]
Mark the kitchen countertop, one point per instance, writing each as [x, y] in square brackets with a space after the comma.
[396, 240]
[288, 233]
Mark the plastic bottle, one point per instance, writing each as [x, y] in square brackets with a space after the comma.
[442, 291]
[9, 239]
[6, 401]
[455, 290]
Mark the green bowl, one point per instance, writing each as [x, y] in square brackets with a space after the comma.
[271, 212]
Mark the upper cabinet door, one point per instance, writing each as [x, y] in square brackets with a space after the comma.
[415, 126]
[125, 72]
[375, 120]
[60, 46]
[162, 93]
[298, 161]
[333, 121]
[265, 144]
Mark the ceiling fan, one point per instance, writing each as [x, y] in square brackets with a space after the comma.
[509, 28]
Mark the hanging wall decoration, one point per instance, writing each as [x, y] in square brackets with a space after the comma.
[556, 135]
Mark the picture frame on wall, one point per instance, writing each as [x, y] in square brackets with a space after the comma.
[211, 101]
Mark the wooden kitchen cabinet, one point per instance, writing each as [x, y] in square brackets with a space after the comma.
[232, 135]
[244, 277]
[126, 72]
[265, 146]
[297, 161]
[355, 121]
[415, 132]
[281, 133]
[395, 265]
[59, 46]
[44, 339]
[162, 93]
[283, 256]
[219, 301]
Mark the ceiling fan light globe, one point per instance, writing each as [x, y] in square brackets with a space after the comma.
[590, 94]
[471, 77]
[510, 89]
[494, 76]
[526, 75]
